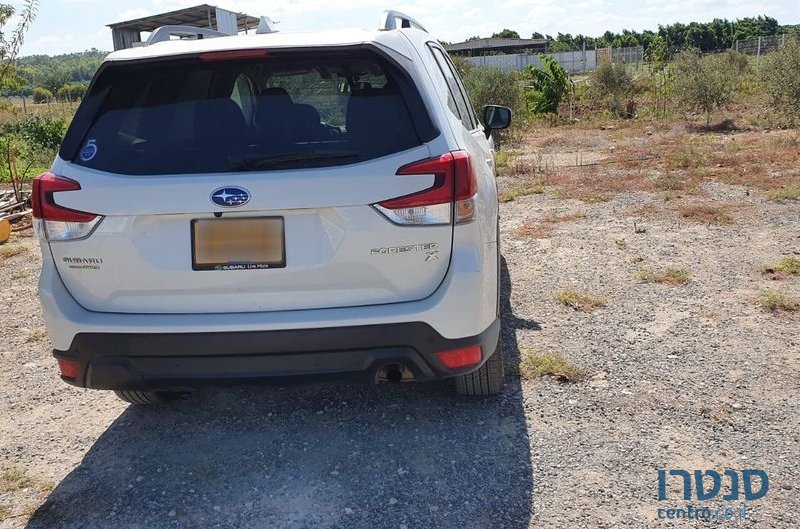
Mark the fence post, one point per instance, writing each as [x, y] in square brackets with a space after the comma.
[783, 39]
[583, 57]
[758, 53]
[737, 44]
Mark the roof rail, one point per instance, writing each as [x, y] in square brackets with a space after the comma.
[165, 33]
[389, 19]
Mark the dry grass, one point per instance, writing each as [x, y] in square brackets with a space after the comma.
[36, 336]
[14, 479]
[523, 188]
[785, 193]
[532, 230]
[706, 213]
[7, 251]
[543, 229]
[788, 266]
[534, 364]
[591, 185]
[567, 217]
[669, 276]
[674, 182]
[580, 301]
[773, 301]
[682, 157]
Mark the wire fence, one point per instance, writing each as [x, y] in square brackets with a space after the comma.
[761, 45]
[583, 61]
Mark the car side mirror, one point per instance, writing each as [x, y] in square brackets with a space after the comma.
[495, 117]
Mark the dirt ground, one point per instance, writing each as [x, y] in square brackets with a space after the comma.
[680, 369]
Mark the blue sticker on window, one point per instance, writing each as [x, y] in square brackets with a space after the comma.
[89, 151]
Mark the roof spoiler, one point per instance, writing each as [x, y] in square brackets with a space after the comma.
[165, 33]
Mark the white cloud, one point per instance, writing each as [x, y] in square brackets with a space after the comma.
[138, 12]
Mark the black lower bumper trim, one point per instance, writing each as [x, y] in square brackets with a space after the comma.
[181, 360]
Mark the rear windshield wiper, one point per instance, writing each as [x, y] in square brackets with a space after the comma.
[262, 162]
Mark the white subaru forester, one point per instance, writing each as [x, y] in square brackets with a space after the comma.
[279, 204]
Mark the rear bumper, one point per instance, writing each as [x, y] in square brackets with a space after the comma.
[184, 360]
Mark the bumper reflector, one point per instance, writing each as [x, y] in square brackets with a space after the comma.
[455, 358]
[69, 368]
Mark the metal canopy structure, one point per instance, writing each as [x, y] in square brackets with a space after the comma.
[128, 33]
[486, 46]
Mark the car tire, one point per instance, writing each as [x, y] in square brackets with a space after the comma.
[148, 398]
[488, 380]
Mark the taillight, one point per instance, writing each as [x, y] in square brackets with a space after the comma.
[457, 358]
[57, 223]
[455, 183]
[69, 368]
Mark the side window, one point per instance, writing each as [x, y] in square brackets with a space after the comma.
[470, 108]
[462, 110]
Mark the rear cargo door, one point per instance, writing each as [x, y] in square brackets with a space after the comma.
[247, 183]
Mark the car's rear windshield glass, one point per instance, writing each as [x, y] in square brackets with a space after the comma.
[221, 113]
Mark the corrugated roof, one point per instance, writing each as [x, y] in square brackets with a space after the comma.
[200, 16]
[488, 44]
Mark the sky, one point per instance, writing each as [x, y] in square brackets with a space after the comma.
[65, 26]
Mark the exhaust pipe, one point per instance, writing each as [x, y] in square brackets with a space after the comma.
[393, 373]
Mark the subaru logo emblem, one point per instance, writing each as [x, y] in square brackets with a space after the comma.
[230, 197]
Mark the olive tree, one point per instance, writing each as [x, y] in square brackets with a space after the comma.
[706, 83]
[780, 76]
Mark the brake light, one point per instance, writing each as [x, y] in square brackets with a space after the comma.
[57, 223]
[455, 183]
[455, 358]
[232, 55]
[69, 368]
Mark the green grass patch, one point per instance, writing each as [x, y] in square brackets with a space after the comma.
[581, 301]
[787, 193]
[669, 276]
[521, 189]
[534, 364]
[773, 301]
[11, 250]
[787, 265]
[36, 336]
[20, 274]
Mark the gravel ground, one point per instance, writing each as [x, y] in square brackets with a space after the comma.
[678, 377]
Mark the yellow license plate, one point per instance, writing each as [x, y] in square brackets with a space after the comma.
[238, 244]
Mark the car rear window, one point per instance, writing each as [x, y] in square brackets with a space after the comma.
[230, 114]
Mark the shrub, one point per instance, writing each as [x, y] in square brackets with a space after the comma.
[611, 83]
[43, 132]
[707, 83]
[492, 86]
[71, 92]
[780, 76]
[549, 86]
[41, 95]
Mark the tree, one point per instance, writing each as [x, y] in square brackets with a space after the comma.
[611, 83]
[780, 75]
[10, 46]
[506, 34]
[71, 92]
[549, 86]
[705, 83]
[42, 95]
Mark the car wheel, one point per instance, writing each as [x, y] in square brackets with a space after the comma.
[488, 380]
[148, 397]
